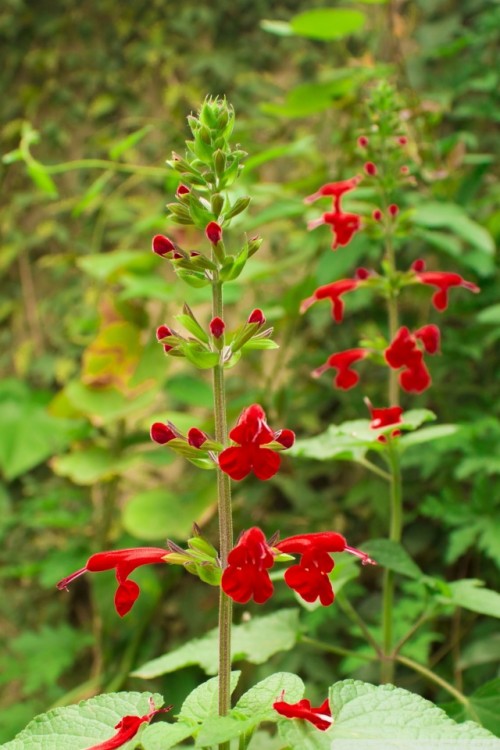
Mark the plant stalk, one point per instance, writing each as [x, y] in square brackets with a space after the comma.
[225, 522]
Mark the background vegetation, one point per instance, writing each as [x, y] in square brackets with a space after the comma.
[94, 99]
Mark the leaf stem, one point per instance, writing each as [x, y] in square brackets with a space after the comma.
[349, 610]
[375, 469]
[334, 649]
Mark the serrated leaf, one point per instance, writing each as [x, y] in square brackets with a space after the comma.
[327, 23]
[484, 703]
[219, 729]
[255, 641]
[203, 701]
[163, 736]
[393, 556]
[300, 735]
[259, 699]
[386, 717]
[90, 722]
[470, 593]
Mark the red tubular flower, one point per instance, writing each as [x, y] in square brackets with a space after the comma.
[161, 433]
[310, 577]
[334, 293]
[443, 281]
[344, 226]
[404, 352]
[335, 190]
[342, 362]
[161, 333]
[385, 418]
[251, 433]
[125, 561]
[128, 728]
[321, 716]
[246, 575]
[370, 168]
[213, 232]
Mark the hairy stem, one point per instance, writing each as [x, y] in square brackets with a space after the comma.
[396, 525]
[225, 522]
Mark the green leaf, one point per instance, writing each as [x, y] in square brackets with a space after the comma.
[490, 314]
[106, 405]
[92, 721]
[327, 23]
[190, 390]
[95, 464]
[259, 699]
[42, 179]
[203, 701]
[453, 217]
[280, 28]
[254, 641]
[260, 344]
[193, 327]
[129, 142]
[428, 434]
[393, 556]
[484, 703]
[470, 593]
[311, 98]
[110, 266]
[301, 735]
[387, 717]
[158, 513]
[29, 434]
[163, 736]
[198, 356]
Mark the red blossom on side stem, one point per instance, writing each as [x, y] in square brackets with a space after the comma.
[127, 728]
[333, 292]
[251, 434]
[443, 281]
[346, 378]
[385, 417]
[125, 561]
[217, 327]
[343, 225]
[321, 716]
[403, 352]
[213, 232]
[164, 247]
[334, 190]
[246, 575]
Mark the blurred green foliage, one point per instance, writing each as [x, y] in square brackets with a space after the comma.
[94, 99]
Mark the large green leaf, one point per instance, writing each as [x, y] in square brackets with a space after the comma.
[484, 703]
[470, 593]
[393, 556]
[254, 641]
[106, 405]
[154, 514]
[327, 23]
[203, 701]
[454, 218]
[388, 717]
[88, 723]
[92, 465]
[29, 433]
[163, 735]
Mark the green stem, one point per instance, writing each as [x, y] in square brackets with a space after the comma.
[225, 522]
[349, 610]
[432, 677]
[395, 531]
[103, 164]
[375, 469]
[335, 649]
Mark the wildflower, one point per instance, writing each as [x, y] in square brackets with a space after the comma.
[125, 561]
[128, 728]
[217, 327]
[342, 362]
[161, 333]
[164, 247]
[377, 214]
[246, 575]
[309, 578]
[251, 434]
[213, 232]
[333, 292]
[443, 281]
[196, 437]
[403, 352]
[363, 141]
[370, 168]
[385, 417]
[161, 433]
[334, 190]
[402, 140]
[256, 316]
[182, 190]
[393, 209]
[321, 717]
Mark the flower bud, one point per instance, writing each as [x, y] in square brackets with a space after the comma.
[402, 140]
[257, 316]
[362, 141]
[370, 168]
[161, 333]
[286, 438]
[217, 327]
[162, 245]
[362, 274]
[161, 433]
[182, 190]
[377, 214]
[404, 169]
[196, 437]
[213, 232]
[393, 209]
[418, 265]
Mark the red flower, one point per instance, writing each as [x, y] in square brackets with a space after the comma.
[161, 433]
[164, 247]
[334, 190]
[251, 433]
[321, 717]
[443, 281]
[182, 190]
[217, 327]
[125, 561]
[334, 293]
[246, 575]
[213, 232]
[161, 333]
[404, 352]
[256, 316]
[128, 728]
[196, 437]
[310, 577]
[370, 168]
[385, 418]
[342, 362]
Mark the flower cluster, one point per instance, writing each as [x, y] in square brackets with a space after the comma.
[246, 575]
